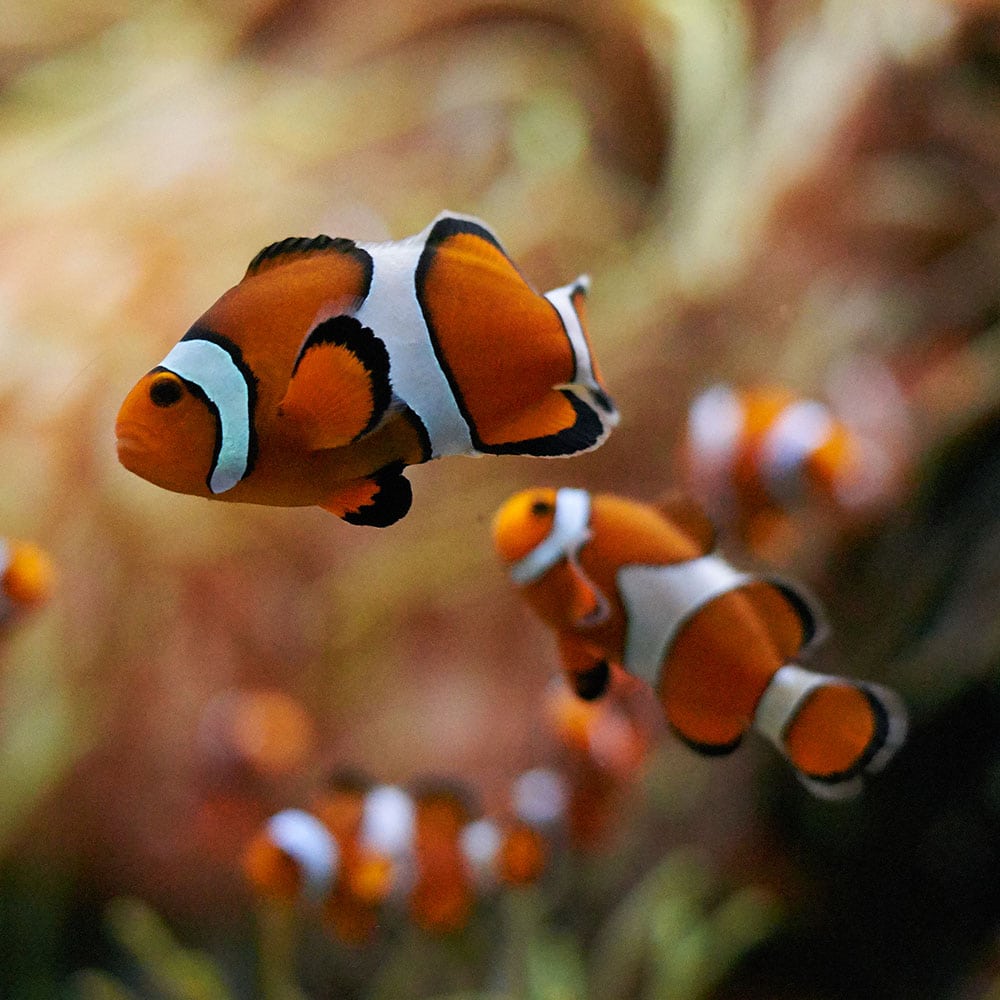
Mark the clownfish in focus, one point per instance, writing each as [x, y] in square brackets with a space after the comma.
[335, 364]
[636, 585]
[752, 456]
[26, 578]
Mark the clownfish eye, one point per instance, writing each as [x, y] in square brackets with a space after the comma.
[541, 508]
[165, 389]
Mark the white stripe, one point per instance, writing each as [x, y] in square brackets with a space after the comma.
[799, 430]
[659, 600]
[310, 845]
[570, 530]
[562, 299]
[715, 424]
[212, 369]
[391, 310]
[782, 698]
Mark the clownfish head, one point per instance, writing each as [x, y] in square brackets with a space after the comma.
[187, 425]
[537, 528]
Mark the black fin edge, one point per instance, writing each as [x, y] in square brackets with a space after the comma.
[707, 749]
[390, 503]
[302, 245]
[348, 332]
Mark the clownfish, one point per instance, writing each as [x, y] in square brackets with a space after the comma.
[26, 577]
[295, 856]
[752, 456]
[334, 364]
[640, 586]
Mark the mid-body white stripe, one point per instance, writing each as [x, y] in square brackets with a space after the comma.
[660, 600]
[799, 431]
[212, 369]
[392, 311]
[310, 845]
[715, 425]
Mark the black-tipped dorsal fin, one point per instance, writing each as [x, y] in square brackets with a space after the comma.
[298, 246]
[688, 515]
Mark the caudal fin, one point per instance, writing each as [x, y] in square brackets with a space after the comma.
[833, 731]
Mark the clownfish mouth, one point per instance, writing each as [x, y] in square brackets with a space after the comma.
[130, 444]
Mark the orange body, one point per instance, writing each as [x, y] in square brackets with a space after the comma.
[723, 654]
[26, 578]
[333, 365]
[443, 895]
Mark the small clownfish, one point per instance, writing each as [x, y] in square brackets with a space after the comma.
[443, 894]
[622, 582]
[333, 365]
[752, 456]
[352, 906]
[293, 857]
[26, 578]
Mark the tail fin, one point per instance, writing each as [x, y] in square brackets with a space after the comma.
[833, 731]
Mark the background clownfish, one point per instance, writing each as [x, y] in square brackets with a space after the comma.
[333, 365]
[751, 456]
[25, 578]
[627, 583]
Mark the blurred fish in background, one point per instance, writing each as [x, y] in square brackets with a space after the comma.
[760, 192]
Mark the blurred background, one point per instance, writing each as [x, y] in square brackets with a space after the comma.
[793, 193]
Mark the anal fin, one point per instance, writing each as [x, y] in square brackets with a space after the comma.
[375, 501]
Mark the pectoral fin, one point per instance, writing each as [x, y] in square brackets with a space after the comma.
[339, 388]
[587, 605]
[376, 501]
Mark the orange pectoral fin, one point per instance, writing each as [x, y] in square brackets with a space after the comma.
[376, 501]
[339, 388]
[586, 605]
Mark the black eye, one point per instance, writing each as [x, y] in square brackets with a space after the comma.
[592, 683]
[542, 509]
[165, 390]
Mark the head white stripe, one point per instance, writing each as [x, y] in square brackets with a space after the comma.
[212, 369]
[570, 530]
[310, 845]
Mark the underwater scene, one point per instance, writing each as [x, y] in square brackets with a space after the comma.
[500, 500]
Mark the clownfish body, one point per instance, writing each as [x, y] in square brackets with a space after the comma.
[333, 365]
[631, 584]
[753, 456]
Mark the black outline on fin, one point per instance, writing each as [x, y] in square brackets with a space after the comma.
[391, 501]
[293, 246]
[580, 436]
[348, 332]
[706, 749]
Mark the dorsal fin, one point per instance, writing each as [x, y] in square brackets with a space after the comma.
[688, 515]
[297, 246]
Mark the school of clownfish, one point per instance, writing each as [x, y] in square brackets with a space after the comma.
[333, 365]
[363, 849]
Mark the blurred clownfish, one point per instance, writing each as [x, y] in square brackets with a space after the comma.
[333, 365]
[293, 857]
[752, 456]
[25, 578]
[443, 894]
[628, 583]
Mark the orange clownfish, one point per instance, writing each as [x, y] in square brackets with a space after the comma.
[751, 456]
[630, 584]
[25, 578]
[333, 365]
[293, 857]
